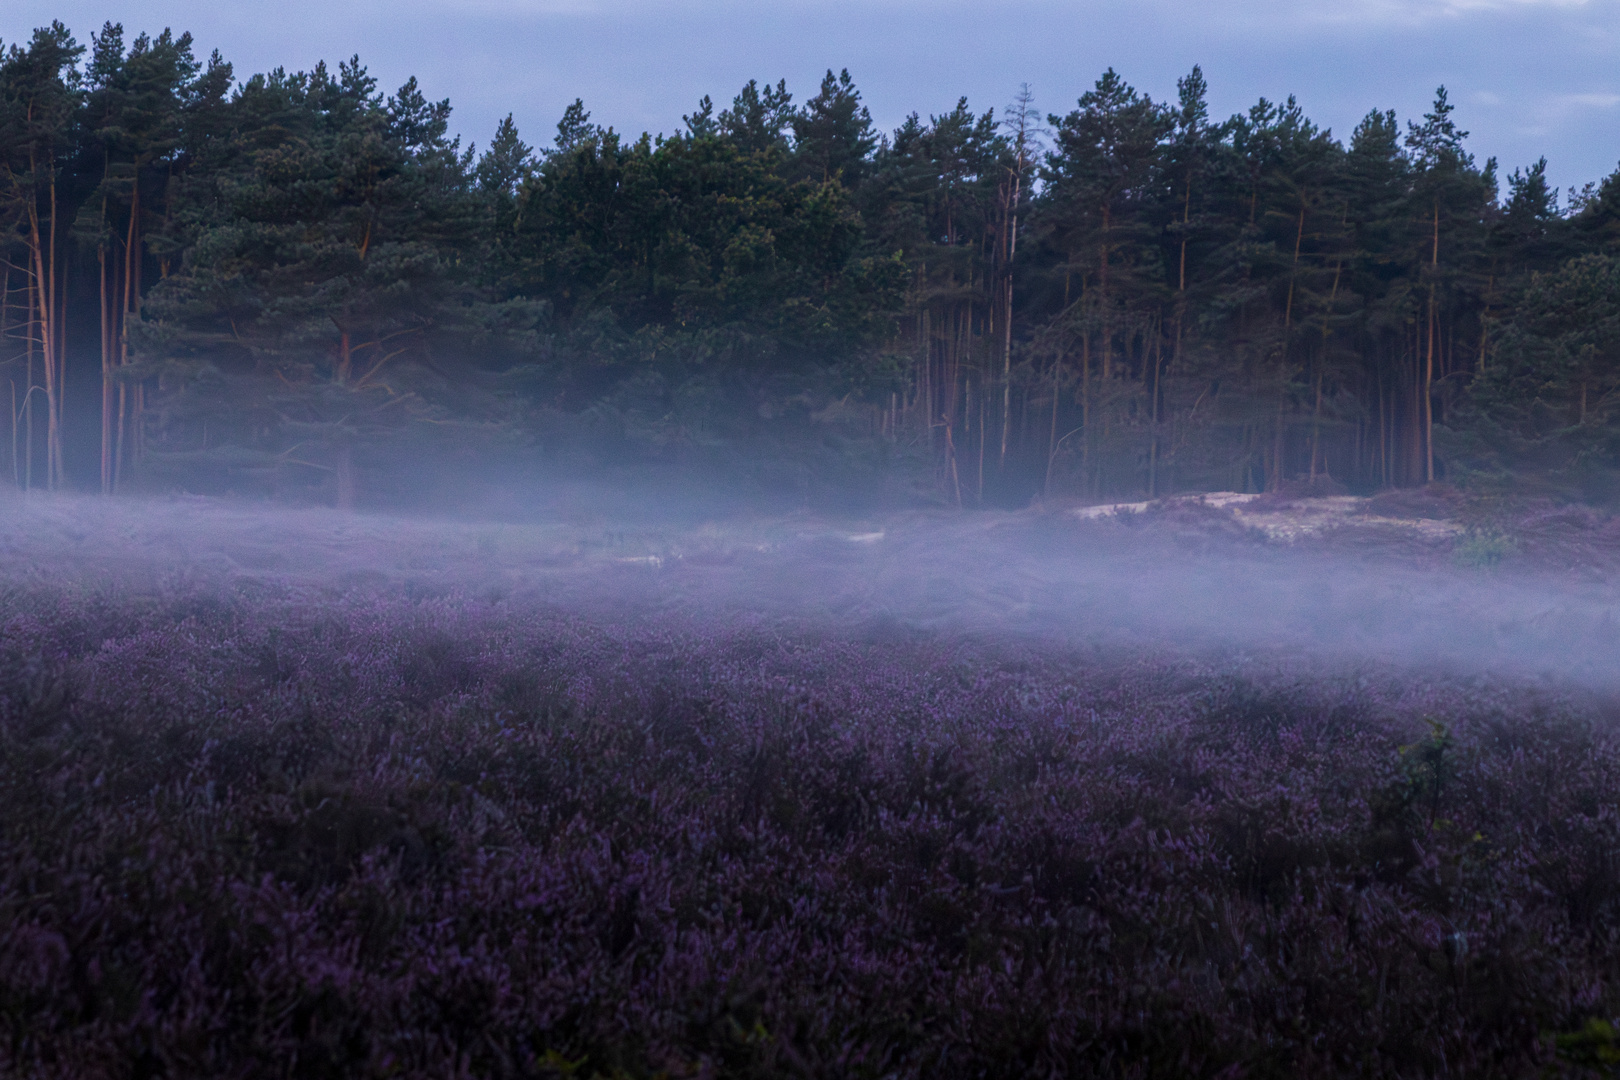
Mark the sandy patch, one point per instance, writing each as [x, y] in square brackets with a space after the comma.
[1294, 519]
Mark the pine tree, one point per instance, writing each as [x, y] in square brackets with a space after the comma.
[759, 121]
[322, 270]
[1547, 407]
[1452, 194]
[137, 110]
[575, 129]
[1101, 176]
[39, 98]
[832, 134]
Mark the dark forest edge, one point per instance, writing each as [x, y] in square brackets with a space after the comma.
[296, 285]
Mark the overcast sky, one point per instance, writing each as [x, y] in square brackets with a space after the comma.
[1528, 77]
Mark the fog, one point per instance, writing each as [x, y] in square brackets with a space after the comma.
[1186, 578]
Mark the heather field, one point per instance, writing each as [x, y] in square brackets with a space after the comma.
[1197, 791]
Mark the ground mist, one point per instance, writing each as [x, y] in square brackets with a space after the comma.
[533, 804]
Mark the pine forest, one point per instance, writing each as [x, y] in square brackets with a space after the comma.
[297, 284]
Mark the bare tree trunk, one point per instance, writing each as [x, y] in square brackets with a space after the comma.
[967, 410]
[1316, 425]
[1428, 395]
[118, 436]
[1428, 367]
[1023, 417]
[1153, 439]
[1085, 412]
[984, 407]
[1057, 382]
[42, 250]
[11, 417]
[61, 358]
[1006, 365]
[1316, 417]
[55, 356]
[137, 435]
[1383, 456]
[1006, 321]
[1282, 374]
[1416, 382]
[1051, 435]
[344, 471]
[345, 357]
[1102, 286]
[28, 392]
[42, 319]
[925, 387]
[132, 305]
[106, 373]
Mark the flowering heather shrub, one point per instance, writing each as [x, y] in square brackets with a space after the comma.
[266, 831]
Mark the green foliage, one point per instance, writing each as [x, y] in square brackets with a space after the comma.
[1482, 548]
[1594, 1046]
[325, 268]
[1546, 401]
[1427, 766]
[295, 269]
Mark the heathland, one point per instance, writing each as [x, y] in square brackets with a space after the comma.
[730, 602]
[1155, 794]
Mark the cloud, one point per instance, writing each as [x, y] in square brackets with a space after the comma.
[1600, 100]
[1455, 7]
[1544, 115]
[518, 8]
[1373, 13]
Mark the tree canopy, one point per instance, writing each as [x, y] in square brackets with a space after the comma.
[295, 282]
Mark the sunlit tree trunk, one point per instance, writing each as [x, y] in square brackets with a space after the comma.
[32, 334]
[42, 255]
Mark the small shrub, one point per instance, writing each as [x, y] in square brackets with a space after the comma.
[1483, 548]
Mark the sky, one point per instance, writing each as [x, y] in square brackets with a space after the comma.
[1528, 77]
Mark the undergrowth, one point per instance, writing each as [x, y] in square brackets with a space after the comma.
[289, 834]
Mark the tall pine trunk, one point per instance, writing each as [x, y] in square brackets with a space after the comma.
[11, 417]
[42, 255]
[1011, 246]
[1279, 446]
[1428, 360]
[132, 402]
[32, 336]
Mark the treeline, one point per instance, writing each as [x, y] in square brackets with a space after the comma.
[296, 282]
